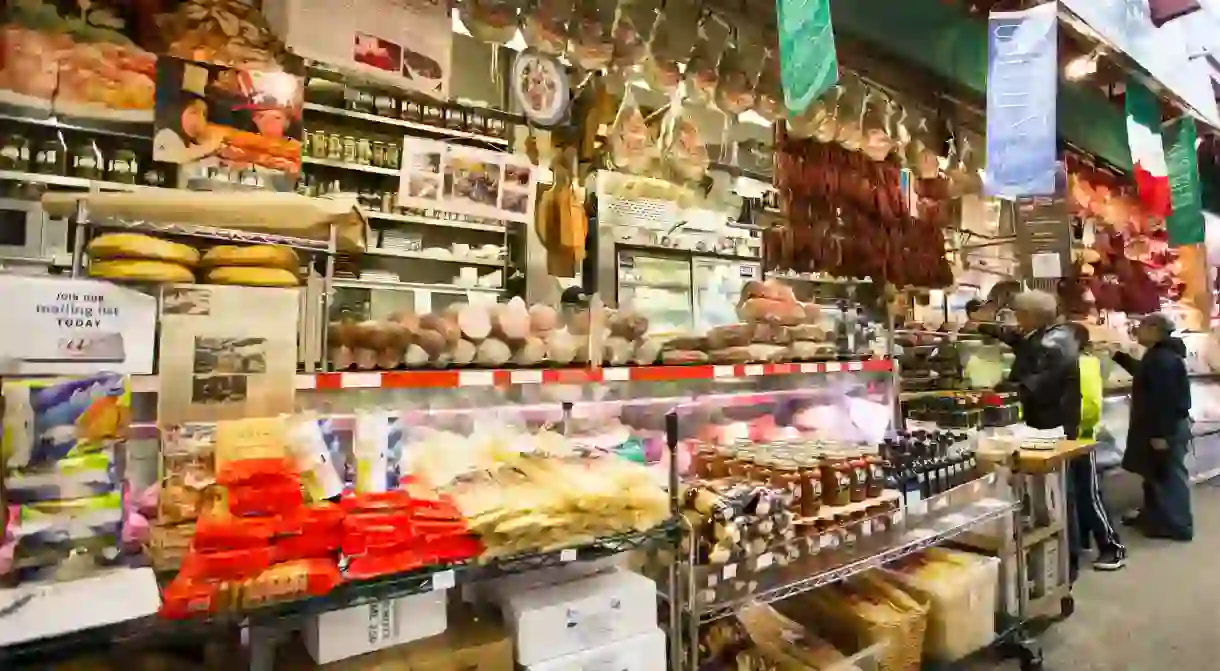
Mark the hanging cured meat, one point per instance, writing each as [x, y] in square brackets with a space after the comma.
[848, 218]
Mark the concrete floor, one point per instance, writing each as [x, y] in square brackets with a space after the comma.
[1160, 612]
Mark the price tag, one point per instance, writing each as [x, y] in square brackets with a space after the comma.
[833, 366]
[443, 580]
[724, 371]
[713, 580]
[765, 560]
[855, 366]
[567, 555]
[897, 516]
[754, 370]
[730, 571]
[866, 528]
[476, 378]
[942, 502]
[827, 541]
[527, 376]
[918, 508]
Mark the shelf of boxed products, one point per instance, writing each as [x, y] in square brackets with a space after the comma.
[818, 558]
[455, 378]
[161, 630]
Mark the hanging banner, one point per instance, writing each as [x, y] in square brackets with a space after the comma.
[1185, 223]
[1160, 49]
[1022, 82]
[402, 43]
[808, 63]
[1147, 150]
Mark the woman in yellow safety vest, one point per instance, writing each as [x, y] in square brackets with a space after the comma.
[1092, 519]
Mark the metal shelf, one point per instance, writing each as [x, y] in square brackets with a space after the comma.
[410, 286]
[124, 129]
[212, 233]
[849, 552]
[403, 123]
[424, 256]
[430, 221]
[309, 160]
[63, 180]
[42, 651]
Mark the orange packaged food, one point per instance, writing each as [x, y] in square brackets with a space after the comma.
[250, 470]
[184, 598]
[376, 501]
[374, 565]
[218, 533]
[307, 546]
[226, 565]
[265, 498]
[291, 580]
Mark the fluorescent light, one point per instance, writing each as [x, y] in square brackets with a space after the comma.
[752, 117]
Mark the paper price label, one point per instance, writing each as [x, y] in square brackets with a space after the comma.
[730, 571]
[826, 541]
[866, 528]
[443, 580]
[567, 555]
[765, 560]
[918, 507]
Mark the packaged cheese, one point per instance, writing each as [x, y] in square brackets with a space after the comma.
[262, 256]
[141, 271]
[140, 246]
[254, 277]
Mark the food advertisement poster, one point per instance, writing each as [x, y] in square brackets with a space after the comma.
[213, 115]
[402, 43]
[75, 60]
[226, 352]
[75, 327]
[466, 180]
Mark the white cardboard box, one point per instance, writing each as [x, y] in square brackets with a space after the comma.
[557, 620]
[340, 634]
[38, 610]
[643, 652]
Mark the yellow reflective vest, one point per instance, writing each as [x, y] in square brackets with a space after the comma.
[1091, 386]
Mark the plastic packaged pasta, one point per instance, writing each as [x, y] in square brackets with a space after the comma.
[265, 497]
[46, 420]
[77, 477]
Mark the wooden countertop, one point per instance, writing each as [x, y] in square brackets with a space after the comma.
[1044, 461]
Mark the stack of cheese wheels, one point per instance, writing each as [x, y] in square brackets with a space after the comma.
[136, 257]
[256, 266]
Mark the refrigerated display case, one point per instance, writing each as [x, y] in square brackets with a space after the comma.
[717, 287]
[656, 287]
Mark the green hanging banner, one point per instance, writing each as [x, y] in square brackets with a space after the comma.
[808, 64]
[1185, 222]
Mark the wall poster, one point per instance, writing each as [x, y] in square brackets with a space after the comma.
[467, 180]
[211, 115]
[226, 352]
[403, 43]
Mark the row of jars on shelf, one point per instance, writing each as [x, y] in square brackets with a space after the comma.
[85, 159]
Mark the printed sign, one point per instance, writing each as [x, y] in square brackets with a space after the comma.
[1022, 83]
[211, 115]
[75, 327]
[466, 180]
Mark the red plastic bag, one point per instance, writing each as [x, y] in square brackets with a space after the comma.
[184, 598]
[374, 565]
[226, 565]
[266, 498]
[244, 471]
[213, 534]
[307, 546]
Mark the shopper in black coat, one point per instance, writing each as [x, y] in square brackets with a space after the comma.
[1159, 433]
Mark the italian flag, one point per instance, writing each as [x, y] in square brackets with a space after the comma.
[1147, 152]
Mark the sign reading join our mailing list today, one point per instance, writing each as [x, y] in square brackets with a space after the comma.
[74, 327]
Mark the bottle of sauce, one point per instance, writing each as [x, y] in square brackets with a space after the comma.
[786, 478]
[859, 478]
[811, 485]
[836, 482]
[876, 475]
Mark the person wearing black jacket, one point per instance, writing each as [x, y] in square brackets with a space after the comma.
[1159, 433]
[1044, 370]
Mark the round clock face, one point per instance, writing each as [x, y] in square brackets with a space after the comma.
[541, 87]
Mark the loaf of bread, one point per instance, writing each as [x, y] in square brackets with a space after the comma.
[253, 277]
[140, 246]
[261, 256]
[139, 270]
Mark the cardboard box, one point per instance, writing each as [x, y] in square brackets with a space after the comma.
[1044, 567]
[645, 652]
[557, 620]
[469, 644]
[1046, 498]
[340, 634]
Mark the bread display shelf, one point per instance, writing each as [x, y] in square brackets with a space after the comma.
[431, 221]
[853, 549]
[210, 233]
[424, 256]
[71, 643]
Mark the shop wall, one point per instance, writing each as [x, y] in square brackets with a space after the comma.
[939, 37]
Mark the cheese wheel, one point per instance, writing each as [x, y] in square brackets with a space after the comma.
[262, 256]
[254, 277]
[140, 246]
[141, 271]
